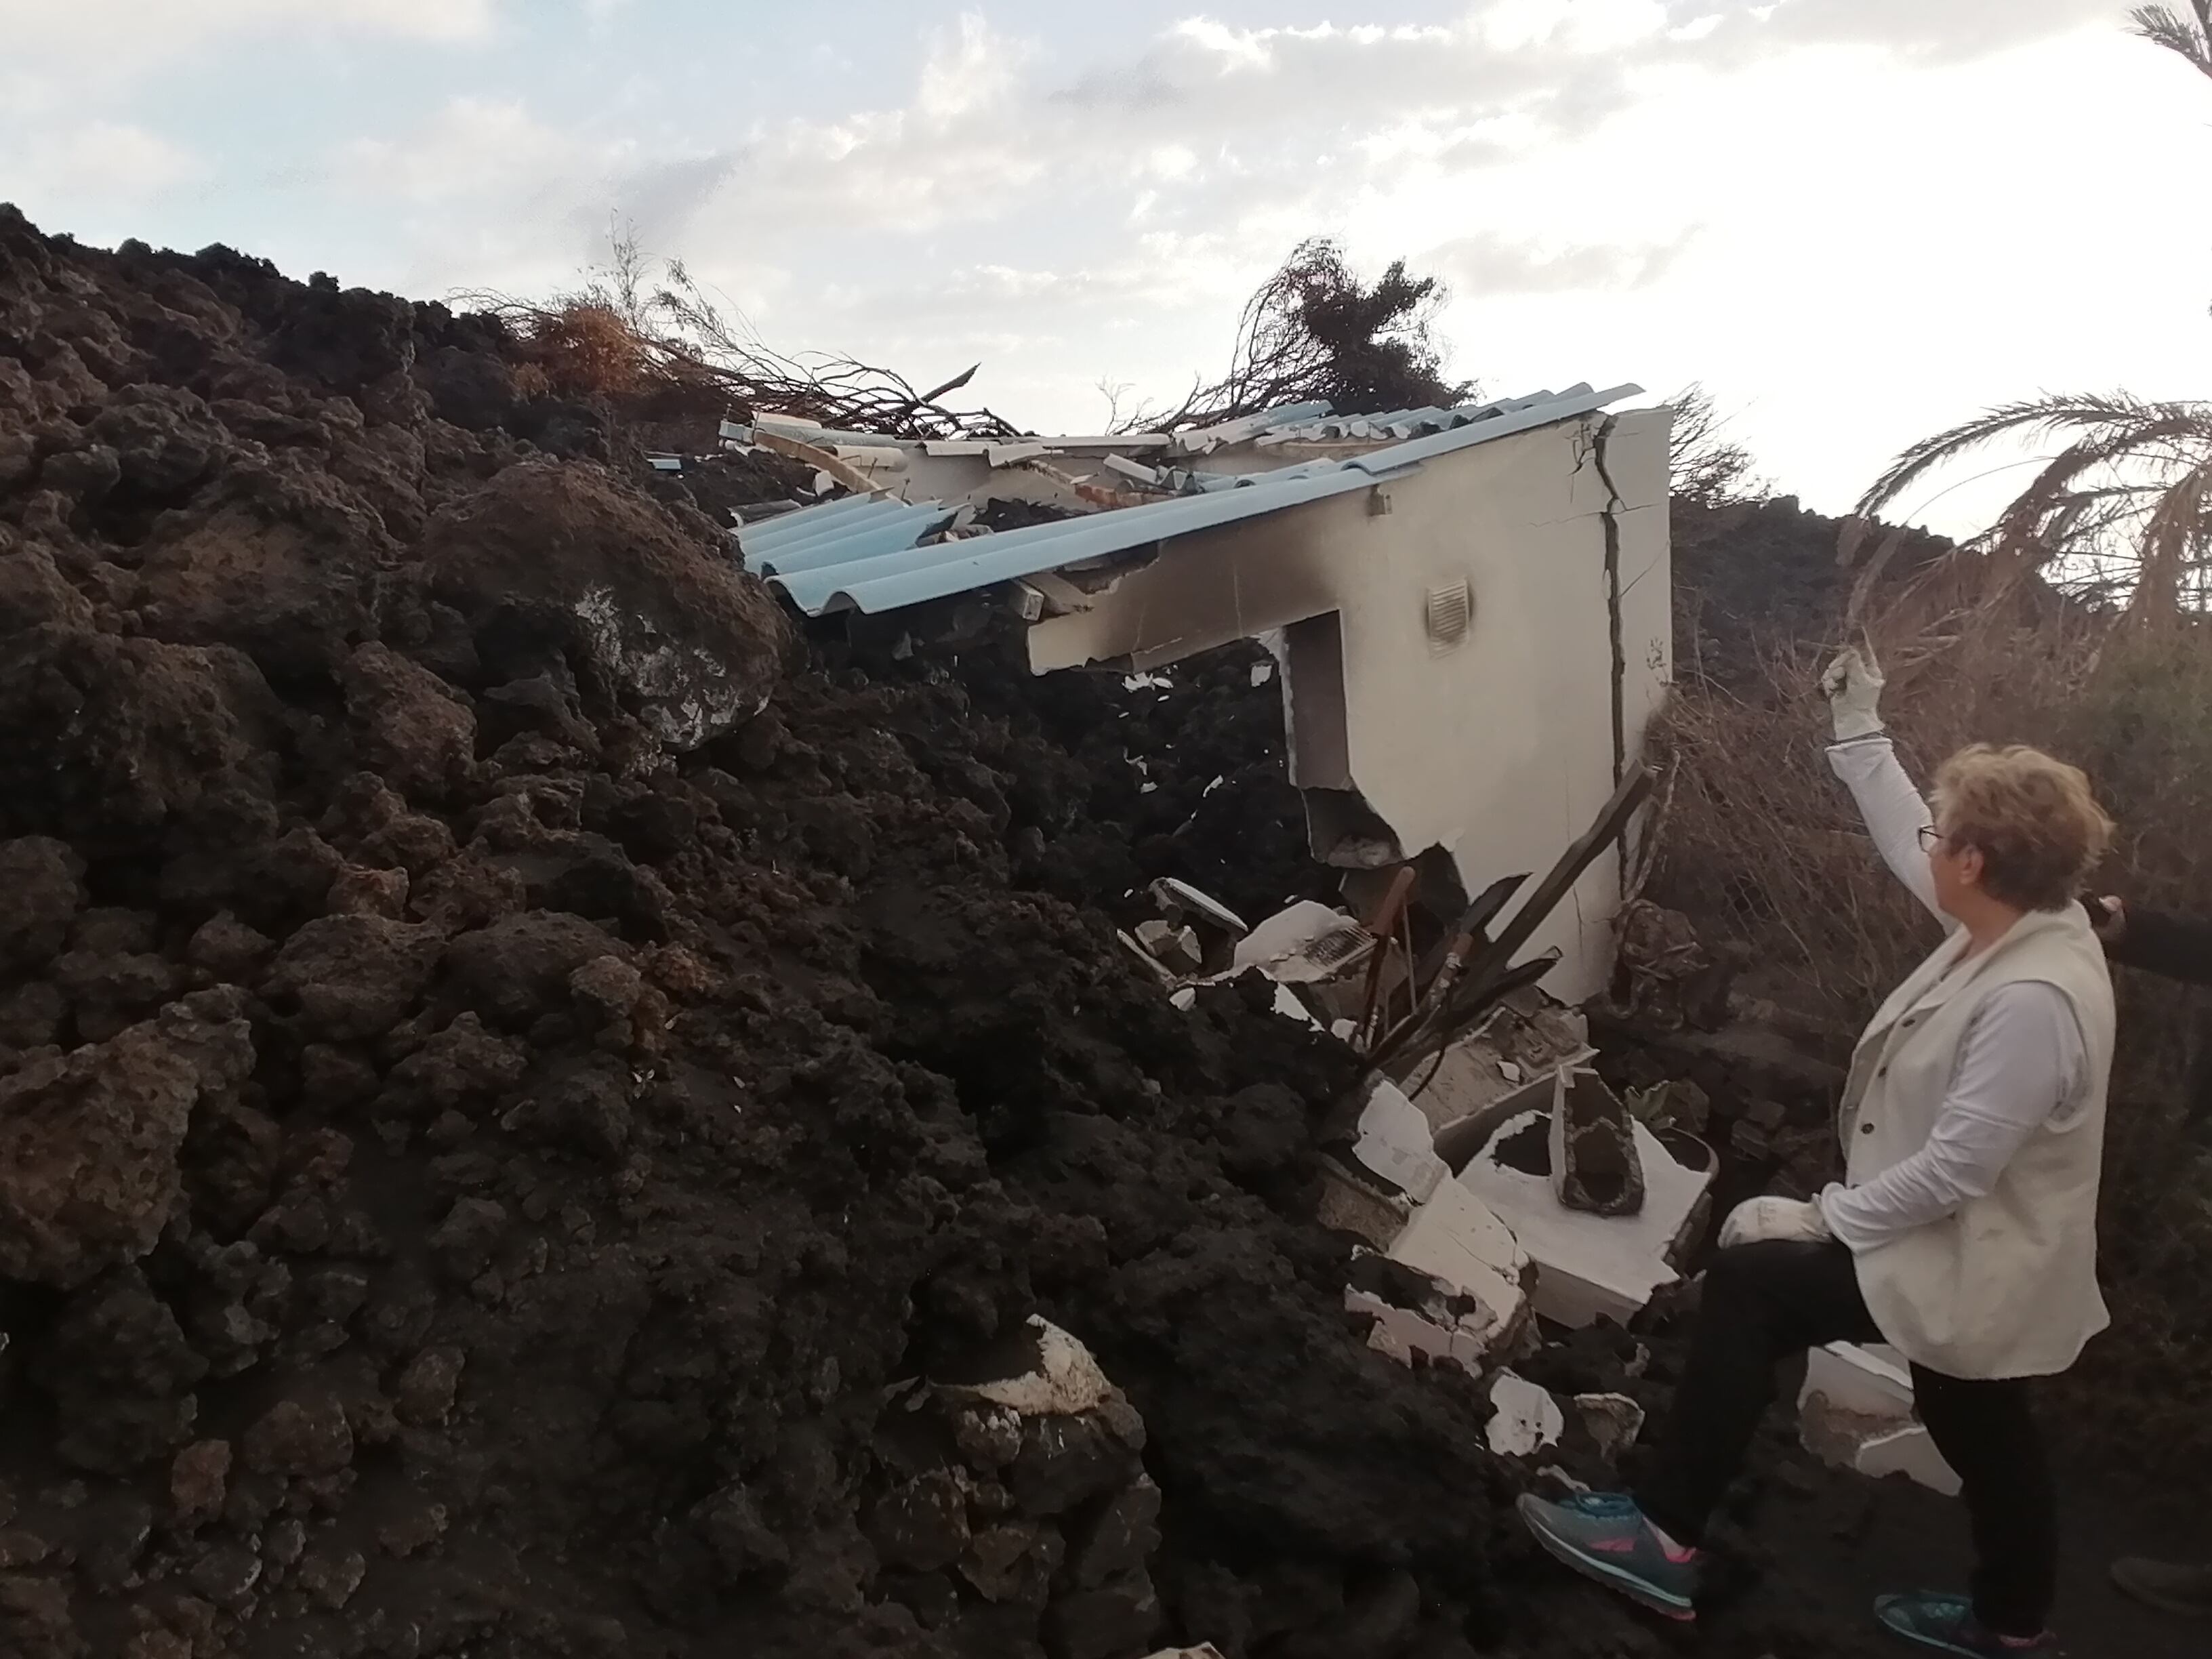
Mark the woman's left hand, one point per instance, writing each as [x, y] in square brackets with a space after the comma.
[1767, 1220]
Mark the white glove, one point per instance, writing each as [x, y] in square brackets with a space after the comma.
[1853, 683]
[1765, 1221]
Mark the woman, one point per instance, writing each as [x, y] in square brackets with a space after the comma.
[1966, 1234]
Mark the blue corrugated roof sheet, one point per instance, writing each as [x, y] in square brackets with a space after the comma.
[867, 554]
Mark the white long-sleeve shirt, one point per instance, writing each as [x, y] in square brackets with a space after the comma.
[2023, 1060]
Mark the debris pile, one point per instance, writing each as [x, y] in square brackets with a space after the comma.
[495, 1110]
[545, 1110]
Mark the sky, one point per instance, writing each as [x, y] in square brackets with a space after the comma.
[1853, 220]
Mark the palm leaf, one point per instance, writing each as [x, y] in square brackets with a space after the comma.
[2162, 26]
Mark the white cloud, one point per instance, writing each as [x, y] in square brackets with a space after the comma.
[58, 58]
[43, 26]
[473, 147]
[969, 70]
[1489, 266]
[105, 161]
[1787, 200]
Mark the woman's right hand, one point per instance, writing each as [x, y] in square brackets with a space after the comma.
[1853, 685]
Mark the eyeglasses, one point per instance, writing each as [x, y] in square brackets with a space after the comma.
[1930, 837]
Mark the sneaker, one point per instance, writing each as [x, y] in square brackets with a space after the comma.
[1947, 1624]
[1605, 1537]
[2168, 1587]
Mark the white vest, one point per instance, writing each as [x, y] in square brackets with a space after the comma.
[2008, 1285]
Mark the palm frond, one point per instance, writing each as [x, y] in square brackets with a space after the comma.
[2125, 505]
[2117, 413]
[2162, 26]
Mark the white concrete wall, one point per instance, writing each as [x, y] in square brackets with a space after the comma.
[1501, 748]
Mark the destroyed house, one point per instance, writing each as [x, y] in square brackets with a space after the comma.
[1470, 606]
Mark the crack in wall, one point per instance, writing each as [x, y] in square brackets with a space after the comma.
[1609, 516]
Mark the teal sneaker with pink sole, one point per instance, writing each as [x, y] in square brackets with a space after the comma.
[1946, 1624]
[1604, 1537]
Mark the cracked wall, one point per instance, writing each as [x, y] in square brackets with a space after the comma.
[1501, 747]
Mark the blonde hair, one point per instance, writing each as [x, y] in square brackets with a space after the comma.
[2034, 820]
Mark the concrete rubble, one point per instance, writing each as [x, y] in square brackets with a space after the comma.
[1591, 1267]
[1854, 1411]
[1527, 1419]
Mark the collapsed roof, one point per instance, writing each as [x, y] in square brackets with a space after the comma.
[885, 552]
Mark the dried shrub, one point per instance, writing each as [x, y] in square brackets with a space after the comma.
[1314, 332]
[653, 338]
[582, 348]
[1707, 468]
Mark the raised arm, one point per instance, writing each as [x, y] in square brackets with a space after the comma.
[1863, 758]
[1893, 811]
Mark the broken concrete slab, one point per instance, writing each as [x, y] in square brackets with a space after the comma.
[1394, 1143]
[1415, 1317]
[1526, 1420]
[1527, 1038]
[1594, 1162]
[1856, 1412]
[1461, 1241]
[1588, 1266]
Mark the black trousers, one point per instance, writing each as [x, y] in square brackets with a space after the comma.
[1765, 1303]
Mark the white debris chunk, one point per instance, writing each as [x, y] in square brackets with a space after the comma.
[1288, 1006]
[1909, 1451]
[1527, 1419]
[1459, 1240]
[1856, 1412]
[1589, 1266]
[1394, 1142]
[1168, 890]
[1306, 943]
[1263, 672]
[1433, 1330]
[1065, 1381]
